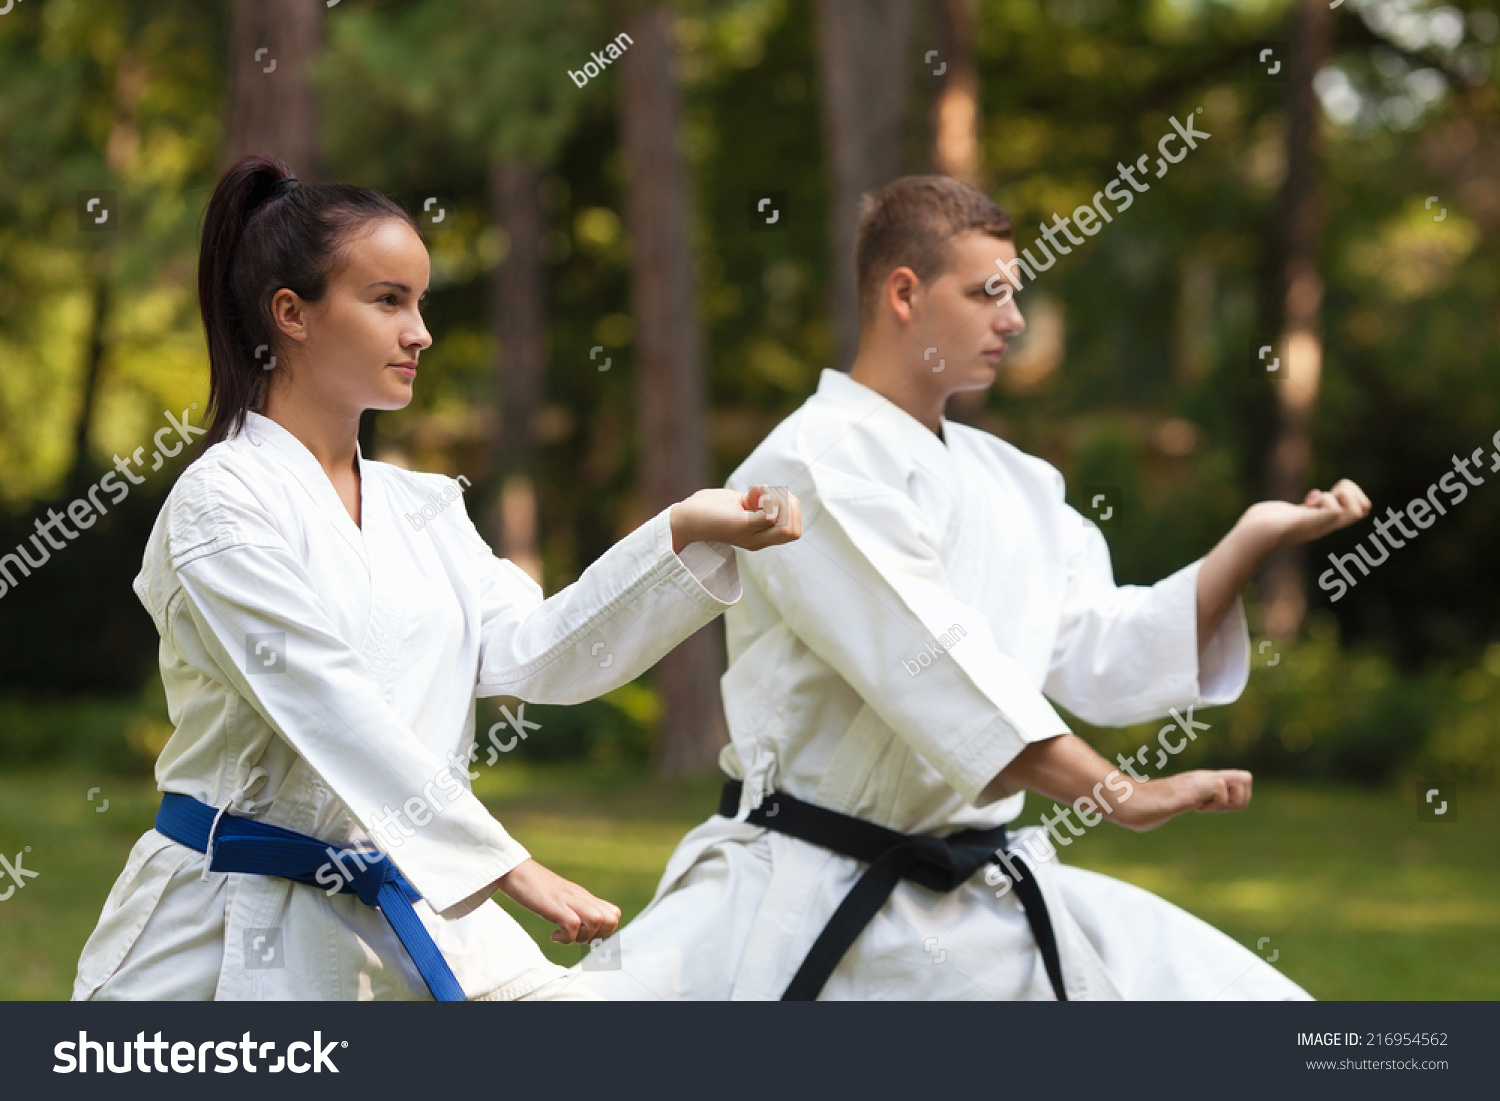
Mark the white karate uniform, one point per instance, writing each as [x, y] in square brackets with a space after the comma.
[321, 676]
[888, 665]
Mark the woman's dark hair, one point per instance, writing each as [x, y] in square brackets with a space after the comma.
[263, 231]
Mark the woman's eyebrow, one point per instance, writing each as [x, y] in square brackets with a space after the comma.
[402, 287]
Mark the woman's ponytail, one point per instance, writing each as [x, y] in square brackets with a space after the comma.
[248, 184]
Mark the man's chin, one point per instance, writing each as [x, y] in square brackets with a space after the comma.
[981, 377]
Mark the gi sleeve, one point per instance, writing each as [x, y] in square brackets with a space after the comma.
[1128, 653]
[866, 591]
[623, 614]
[243, 585]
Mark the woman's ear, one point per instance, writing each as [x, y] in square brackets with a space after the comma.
[289, 314]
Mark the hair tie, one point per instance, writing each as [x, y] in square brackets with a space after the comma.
[286, 184]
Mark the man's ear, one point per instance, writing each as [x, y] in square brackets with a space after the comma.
[900, 290]
[289, 314]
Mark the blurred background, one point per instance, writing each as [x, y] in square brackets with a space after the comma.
[640, 217]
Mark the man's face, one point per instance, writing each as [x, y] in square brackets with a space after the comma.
[359, 343]
[966, 325]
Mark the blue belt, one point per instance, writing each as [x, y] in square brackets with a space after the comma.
[245, 845]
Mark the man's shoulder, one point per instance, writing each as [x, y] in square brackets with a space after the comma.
[1004, 455]
[821, 442]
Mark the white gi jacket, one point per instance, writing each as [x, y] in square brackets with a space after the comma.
[888, 665]
[322, 677]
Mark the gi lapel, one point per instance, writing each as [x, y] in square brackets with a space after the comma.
[383, 543]
[308, 473]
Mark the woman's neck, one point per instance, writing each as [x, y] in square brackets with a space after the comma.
[333, 438]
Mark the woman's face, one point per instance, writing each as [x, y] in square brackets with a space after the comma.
[356, 348]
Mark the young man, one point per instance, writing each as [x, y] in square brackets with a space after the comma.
[889, 677]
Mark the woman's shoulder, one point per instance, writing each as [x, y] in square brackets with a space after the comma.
[224, 497]
[418, 484]
[423, 497]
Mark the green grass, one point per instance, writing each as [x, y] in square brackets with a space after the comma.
[1359, 900]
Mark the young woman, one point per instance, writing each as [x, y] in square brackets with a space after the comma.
[326, 623]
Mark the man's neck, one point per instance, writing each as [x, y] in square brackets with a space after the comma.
[893, 381]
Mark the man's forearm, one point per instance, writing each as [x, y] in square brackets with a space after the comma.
[1227, 569]
[1061, 768]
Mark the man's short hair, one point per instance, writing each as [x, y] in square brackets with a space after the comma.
[909, 223]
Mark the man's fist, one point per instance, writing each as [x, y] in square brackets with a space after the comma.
[1160, 800]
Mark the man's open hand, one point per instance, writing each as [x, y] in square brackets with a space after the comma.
[1321, 512]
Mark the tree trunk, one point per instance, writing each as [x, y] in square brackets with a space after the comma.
[669, 364]
[953, 133]
[863, 60]
[80, 474]
[276, 112]
[1300, 296]
[119, 152]
[955, 114]
[519, 316]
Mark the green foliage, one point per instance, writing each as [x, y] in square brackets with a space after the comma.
[109, 737]
[1151, 389]
[483, 81]
[611, 731]
[1318, 710]
[93, 97]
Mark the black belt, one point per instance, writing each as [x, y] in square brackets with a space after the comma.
[938, 863]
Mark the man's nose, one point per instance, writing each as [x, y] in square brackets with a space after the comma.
[1008, 320]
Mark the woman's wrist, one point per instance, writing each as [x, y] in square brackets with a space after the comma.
[681, 524]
